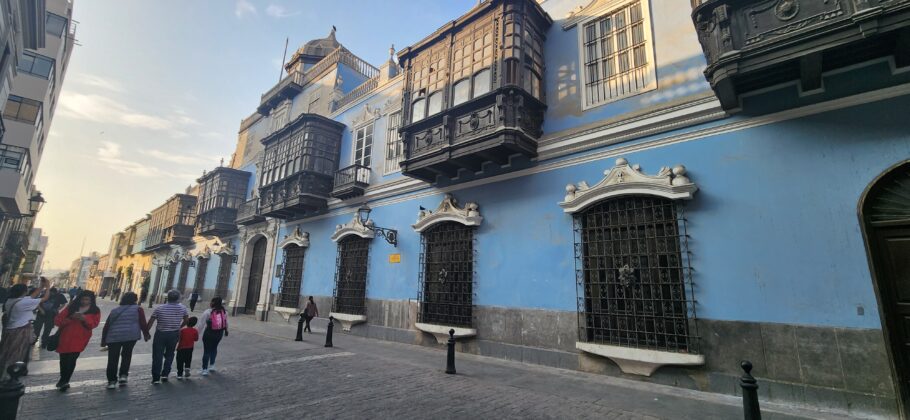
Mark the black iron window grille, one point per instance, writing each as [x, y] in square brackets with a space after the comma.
[156, 284]
[293, 274]
[446, 280]
[633, 275]
[224, 274]
[171, 272]
[351, 275]
[201, 268]
[184, 273]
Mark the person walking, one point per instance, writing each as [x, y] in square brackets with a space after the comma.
[76, 323]
[309, 312]
[73, 290]
[214, 327]
[194, 297]
[188, 338]
[18, 313]
[125, 325]
[47, 311]
[170, 316]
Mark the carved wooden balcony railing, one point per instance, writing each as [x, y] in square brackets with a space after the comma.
[172, 223]
[351, 181]
[221, 193]
[754, 44]
[248, 213]
[302, 194]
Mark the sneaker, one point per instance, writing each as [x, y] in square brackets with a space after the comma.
[63, 387]
[123, 379]
[179, 377]
[156, 381]
[186, 374]
[112, 385]
[212, 368]
[164, 379]
[204, 372]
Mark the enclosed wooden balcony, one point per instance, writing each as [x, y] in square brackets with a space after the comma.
[302, 194]
[351, 182]
[248, 213]
[221, 192]
[755, 44]
[288, 87]
[172, 223]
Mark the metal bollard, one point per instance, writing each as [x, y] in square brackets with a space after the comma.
[450, 357]
[11, 390]
[300, 328]
[749, 385]
[328, 332]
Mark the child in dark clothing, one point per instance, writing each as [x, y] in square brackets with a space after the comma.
[188, 338]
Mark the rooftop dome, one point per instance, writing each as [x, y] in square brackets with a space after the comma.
[315, 50]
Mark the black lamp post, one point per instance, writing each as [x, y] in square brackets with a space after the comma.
[36, 203]
[390, 235]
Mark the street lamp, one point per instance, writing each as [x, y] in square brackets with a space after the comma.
[35, 203]
[390, 235]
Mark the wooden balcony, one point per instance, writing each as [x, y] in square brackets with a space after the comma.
[754, 44]
[248, 214]
[303, 194]
[172, 223]
[221, 193]
[218, 222]
[288, 87]
[351, 182]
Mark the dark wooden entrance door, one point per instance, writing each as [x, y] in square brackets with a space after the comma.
[886, 214]
[254, 282]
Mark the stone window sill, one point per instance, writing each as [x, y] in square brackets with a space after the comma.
[441, 332]
[348, 320]
[640, 361]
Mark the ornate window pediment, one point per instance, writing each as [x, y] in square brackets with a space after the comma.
[206, 252]
[625, 179]
[301, 239]
[448, 211]
[226, 249]
[354, 227]
[367, 115]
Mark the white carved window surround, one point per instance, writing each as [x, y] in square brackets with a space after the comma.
[363, 145]
[616, 49]
[291, 271]
[394, 146]
[636, 305]
[348, 269]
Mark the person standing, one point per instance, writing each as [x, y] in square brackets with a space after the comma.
[309, 312]
[123, 328]
[19, 311]
[47, 311]
[188, 338]
[214, 327]
[194, 297]
[170, 316]
[76, 323]
[72, 292]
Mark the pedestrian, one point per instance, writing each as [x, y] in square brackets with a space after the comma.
[309, 312]
[194, 297]
[215, 326]
[188, 338]
[170, 316]
[19, 311]
[47, 311]
[125, 325]
[72, 293]
[76, 323]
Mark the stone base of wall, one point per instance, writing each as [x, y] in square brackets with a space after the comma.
[835, 368]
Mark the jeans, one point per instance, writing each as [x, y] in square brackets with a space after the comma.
[163, 346]
[306, 327]
[192, 305]
[46, 322]
[67, 367]
[210, 340]
[184, 357]
[121, 352]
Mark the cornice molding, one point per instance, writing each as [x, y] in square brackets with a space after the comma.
[297, 237]
[354, 227]
[448, 211]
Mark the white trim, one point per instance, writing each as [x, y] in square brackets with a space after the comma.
[285, 312]
[441, 332]
[354, 227]
[637, 361]
[363, 126]
[374, 93]
[448, 211]
[301, 239]
[624, 179]
[348, 320]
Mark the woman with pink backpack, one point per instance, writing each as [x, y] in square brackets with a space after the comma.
[214, 327]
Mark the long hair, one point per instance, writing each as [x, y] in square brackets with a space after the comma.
[74, 304]
[218, 304]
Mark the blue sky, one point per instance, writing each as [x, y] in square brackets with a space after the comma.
[156, 91]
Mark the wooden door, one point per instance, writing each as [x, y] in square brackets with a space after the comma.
[254, 283]
[892, 255]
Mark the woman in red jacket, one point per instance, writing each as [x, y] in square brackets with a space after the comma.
[76, 323]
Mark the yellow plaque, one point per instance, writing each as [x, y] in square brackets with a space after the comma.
[394, 258]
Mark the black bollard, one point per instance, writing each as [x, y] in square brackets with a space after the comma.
[328, 332]
[750, 393]
[300, 328]
[450, 357]
[10, 392]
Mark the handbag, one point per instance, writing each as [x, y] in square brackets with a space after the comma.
[53, 341]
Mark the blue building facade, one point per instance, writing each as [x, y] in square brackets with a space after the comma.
[566, 187]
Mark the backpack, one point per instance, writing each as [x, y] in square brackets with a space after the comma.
[217, 321]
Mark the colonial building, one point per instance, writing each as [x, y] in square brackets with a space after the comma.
[637, 188]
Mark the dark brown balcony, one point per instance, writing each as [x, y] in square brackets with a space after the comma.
[288, 87]
[351, 182]
[221, 192]
[302, 194]
[755, 44]
[172, 223]
[248, 214]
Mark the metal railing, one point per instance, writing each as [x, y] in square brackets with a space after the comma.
[352, 174]
[339, 55]
[295, 77]
[358, 92]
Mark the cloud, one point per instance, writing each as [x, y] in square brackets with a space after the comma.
[278, 11]
[181, 159]
[102, 109]
[98, 82]
[110, 155]
[244, 7]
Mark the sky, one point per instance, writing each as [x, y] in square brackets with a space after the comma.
[155, 92]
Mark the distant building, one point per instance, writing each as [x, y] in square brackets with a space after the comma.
[80, 270]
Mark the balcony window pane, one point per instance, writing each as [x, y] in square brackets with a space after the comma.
[418, 110]
[481, 83]
[435, 103]
[55, 24]
[461, 92]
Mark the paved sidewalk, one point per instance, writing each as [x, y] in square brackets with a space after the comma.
[264, 374]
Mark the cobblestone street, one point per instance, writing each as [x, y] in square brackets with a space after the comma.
[262, 373]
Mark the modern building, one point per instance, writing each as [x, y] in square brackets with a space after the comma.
[37, 38]
[637, 188]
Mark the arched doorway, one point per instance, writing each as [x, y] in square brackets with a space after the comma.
[885, 214]
[254, 281]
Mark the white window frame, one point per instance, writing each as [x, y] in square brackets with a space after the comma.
[391, 166]
[363, 128]
[608, 8]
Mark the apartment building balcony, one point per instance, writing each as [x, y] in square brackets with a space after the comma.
[754, 44]
[351, 182]
[248, 213]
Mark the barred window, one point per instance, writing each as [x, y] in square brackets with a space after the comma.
[618, 54]
[446, 292]
[351, 275]
[293, 275]
[224, 275]
[633, 263]
[202, 266]
[394, 147]
[171, 273]
[184, 271]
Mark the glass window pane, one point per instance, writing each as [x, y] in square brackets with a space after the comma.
[435, 104]
[461, 92]
[481, 82]
[418, 110]
[55, 24]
